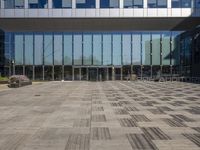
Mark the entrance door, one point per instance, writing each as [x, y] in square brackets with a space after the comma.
[93, 74]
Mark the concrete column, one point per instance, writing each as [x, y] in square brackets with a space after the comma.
[53, 73]
[26, 4]
[169, 4]
[33, 72]
[121, 4]
[43, 72]
[63, 70]
[97, 4]
[73, 4]
[72, 73]
[87, 74]
[50, 4]
[121, 73]
[145, 3]
[107, 74]
[80, 74]
[113, 73]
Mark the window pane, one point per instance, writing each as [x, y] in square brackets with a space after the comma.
[117, 49]
[166, 48]
[85, 3]
[146, 59]
[19, 42]
[38, 49]
[106, 49]
[162, 4]
[58, 49]
[138, 4]
[109, 3]
[126, 41]
[38, 3]
[128, 3]
[9, 4]
[197, 3]
[155, 49]
[68, 49]
[97, 49]
[175, 48]
[77, 49]
[87, 49]
[136, 48]
[48, 49]
[186, 3]
[152, 4]
[19, 4]
[62, 3]
[28, 49]
[176, 3]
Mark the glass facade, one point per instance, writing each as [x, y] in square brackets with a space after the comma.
[85, 3]
[109, 3]
[62, 3]
[56, 56]
[133, 3]
[181, 3]
[157, 3]
[38, 3]
[12, 4]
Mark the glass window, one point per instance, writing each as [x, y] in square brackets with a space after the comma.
[136, 49]
[152, 4]
[157, 3]
[133, 3]
[197, 3]
[176, 3]
[156, 49]
[117, 49]
[85, 3]
[62, 3]
[77, 49]
[38, 3]
[166, 48]
[161, 3]
[97, 49]
[48, 49]
[186, 3]
[175, 48]
[58, 48]
[146, 52]
[126, 41]
[107, 49]
[109, 3]
[38, 49]
[19, 48]
[68, 49]
[28, 49]
[10, 4]
[87, 49]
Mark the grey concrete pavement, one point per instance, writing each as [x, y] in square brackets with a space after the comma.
[101, 116]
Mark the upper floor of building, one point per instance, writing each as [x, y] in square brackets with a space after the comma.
[98, 8]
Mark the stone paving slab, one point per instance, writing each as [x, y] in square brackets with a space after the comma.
[101, 116]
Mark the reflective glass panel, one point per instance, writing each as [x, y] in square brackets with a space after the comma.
[175, 48]
[85, 3]
[126, 42]
[19, 46]
[38, 3]
[10, 4]
[78, 49]
[136, 49]
[28, 49]
[107, 49]
[186, 3]
[38, 49]
[68, 49]
[109, 3]
[152, 4]
[48, 49]
[87, 49]
[117, 45]
[166, 48]
[197, 3]
[97, 49]
[58, 48]
[176, 3]
[161, 3]
[156, 49]
[146, 59]
[62, 3]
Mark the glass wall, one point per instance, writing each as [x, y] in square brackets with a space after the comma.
[38, 3]
[62, 3]
[109, 3]
[12, 4]
[157, 3]
[57, 54]
[181, 3]
[133, 3]
[85, 3]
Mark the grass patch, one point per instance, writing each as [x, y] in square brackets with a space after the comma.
[3, 78]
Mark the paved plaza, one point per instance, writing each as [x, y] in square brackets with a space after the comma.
[101, 116]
